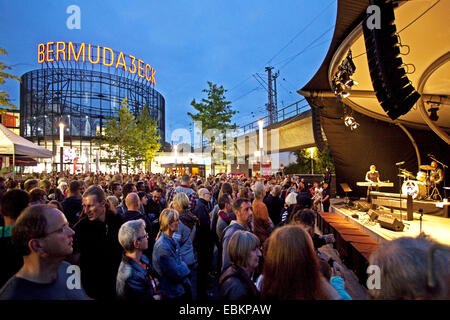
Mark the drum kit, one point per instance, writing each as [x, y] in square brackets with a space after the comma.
[419, 186]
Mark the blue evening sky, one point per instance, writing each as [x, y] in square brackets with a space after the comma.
[187, 42]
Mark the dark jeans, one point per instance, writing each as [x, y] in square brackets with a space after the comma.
[326, 206]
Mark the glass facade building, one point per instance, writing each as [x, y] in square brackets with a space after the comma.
[82, 96]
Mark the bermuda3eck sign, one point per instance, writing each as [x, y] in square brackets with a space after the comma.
[62, 51]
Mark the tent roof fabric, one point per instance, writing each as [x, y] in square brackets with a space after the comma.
[11, 143]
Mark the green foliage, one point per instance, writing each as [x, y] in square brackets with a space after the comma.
[4, 96]
[147, 137]
[303, 164]
[215, 112]
[129, 139]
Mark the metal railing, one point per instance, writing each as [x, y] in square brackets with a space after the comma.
[290, 111]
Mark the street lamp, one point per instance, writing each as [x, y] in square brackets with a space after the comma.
[311, 150]
[61, 143]
[261, 142]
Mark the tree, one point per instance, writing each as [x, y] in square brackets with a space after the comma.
[147, 137]
[214, 112]
[130, 139]
[4, 96]
[119, 137]
[322, 159]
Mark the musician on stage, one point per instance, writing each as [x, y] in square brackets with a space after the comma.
[372, 176]
[436, 175]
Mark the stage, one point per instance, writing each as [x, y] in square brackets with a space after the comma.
[438, 227]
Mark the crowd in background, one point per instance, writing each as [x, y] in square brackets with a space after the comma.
[192, 238]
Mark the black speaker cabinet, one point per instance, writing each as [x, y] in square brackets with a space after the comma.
[392, 87]
[391, 223]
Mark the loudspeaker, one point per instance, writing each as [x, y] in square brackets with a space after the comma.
[392, 87]
[373, 215]
[317, 128]
[391, 223]
[363, 206]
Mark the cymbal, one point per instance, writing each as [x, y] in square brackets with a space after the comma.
[408, 174]
[426, 167]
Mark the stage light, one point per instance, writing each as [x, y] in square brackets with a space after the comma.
[433, 114]
[351, 122]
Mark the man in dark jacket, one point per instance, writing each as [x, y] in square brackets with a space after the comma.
[204, 240]
[73, 205]
[274, 204]
[96, 248]
[244, 214]
[135, 278]
[303, 196]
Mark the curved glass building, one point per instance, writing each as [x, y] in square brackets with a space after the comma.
[82, 95]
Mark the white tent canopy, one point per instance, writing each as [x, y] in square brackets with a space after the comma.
[12, 144]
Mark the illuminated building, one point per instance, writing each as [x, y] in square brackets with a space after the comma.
[83, 85]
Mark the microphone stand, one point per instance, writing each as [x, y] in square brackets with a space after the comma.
[421, 214]
[400, 193]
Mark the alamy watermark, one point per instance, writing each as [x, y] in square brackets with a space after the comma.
[74, 20]
[74, 280]
[374, 278]
[374, 20]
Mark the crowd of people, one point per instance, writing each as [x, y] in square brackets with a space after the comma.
[189, 238]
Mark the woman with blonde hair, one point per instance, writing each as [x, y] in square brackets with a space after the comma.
[291, 268]
[167, 260]
[186, 233]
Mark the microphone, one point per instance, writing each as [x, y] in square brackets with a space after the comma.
[400, 163]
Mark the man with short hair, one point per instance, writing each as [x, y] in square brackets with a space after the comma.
[204, 240]
[326, 197]
[44, 238]
[116, 190]
[184, 187]
[244, 215]
[127, 188]
[73, 204]
[30, 184]
[96, 247]
[274, 204]
[133, 204]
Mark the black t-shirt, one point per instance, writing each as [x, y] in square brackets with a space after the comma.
[21, 289]
[100, 255]
[326, 192]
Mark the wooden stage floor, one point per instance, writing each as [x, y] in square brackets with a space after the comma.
[438, 228]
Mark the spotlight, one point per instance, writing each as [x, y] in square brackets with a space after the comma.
[351, 122]
[350, 83]
[433, 114]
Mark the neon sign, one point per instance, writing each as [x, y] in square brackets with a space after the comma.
[51, 51]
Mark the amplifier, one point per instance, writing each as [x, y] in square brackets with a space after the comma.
[391, 223]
